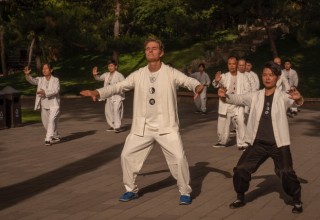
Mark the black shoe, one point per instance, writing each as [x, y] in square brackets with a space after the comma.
[237, 204]
[203, 113]
[47, 143]
[197, 112]
[117, 130]
[297, 208]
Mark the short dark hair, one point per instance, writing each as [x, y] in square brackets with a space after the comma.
[275, 68]
[202, 64]
[287, 60]
[233, 57]
[112, 62]
[50, 66]
[248, 61]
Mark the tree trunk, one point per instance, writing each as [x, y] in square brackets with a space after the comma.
[270, 36]
[31, 51]
[38, 63]
[116, 30]
[44, 55]
[3, 54]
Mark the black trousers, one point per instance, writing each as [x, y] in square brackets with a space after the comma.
[256, 155]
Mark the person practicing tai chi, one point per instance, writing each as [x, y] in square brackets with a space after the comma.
[155, 119]
[203, 78]
[237, 83]
[267, 134]
[48, 100]
[114, 104]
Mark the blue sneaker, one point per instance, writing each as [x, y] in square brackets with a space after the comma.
[128, 196]
[185, 200]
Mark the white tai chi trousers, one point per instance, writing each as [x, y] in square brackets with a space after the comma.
[201, 101]
[136, 150]
[114, 113]
[224, 128]
[50, 119]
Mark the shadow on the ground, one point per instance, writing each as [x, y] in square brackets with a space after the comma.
[270, 184]
[198, 172]
[314, 123]
[125, 127]
[77, 135]
[13, 194]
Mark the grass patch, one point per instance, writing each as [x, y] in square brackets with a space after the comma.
[30, 116]
[75, 69]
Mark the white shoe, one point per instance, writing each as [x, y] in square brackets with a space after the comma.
[110, 129]
[55, 140]
[218, 145]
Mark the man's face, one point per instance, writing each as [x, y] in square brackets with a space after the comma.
[248, 67]
[232, 65]
[242, 66]
[201, 69]
[287, 65]
[269, 79]
[153, 52]
[112, 68]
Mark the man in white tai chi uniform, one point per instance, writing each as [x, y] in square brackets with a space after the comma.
[114, 104]
[155, 119]
[237, 83]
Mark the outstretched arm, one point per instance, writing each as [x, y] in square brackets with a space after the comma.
[222, 93]
[234, 99]
[29, 78]
[94, 94]
[198, 90]
[296, 96]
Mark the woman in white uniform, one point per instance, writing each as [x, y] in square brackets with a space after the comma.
[48, 100]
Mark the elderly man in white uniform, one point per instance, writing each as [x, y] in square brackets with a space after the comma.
[155, 119]
[48, 100]
[242, 64]
[114, 104]
[282, 82]
[237, 83]
[203, 78]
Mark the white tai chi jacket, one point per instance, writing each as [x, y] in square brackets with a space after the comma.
[256, 80]
[283, 83]
[255, 100]
[243, 87]
[52, 92]
[168, 79]
[117, 77]
[292, 77]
